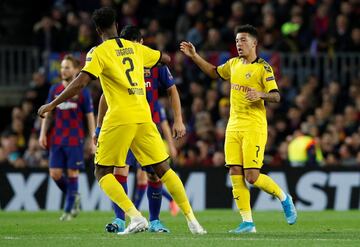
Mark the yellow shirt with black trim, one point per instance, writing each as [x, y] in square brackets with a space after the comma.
[119, 64]
[247, 115]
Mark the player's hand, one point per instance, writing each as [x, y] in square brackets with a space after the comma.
[188, 49]
[44, 109]
[43, 141]
[93, 148]
[178, 130]
[253, 95]
[94, 138]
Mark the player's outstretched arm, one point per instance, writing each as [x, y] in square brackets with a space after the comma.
[178, 129]
[91, 125]
[73, 89]
[189, 50]
[101, 110]
[45, 126]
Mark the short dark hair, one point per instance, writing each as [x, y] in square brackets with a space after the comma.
[251, 30]
[131, 33]
[104, 18]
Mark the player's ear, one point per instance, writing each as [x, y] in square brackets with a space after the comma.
[98, 30]
[255, 42]
[141, 41]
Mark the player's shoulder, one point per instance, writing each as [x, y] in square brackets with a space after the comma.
[162, 68]
[55, 86]
[234, 60]
[265, 65]
[92, 50]
[231, 61]
[85, 91]
[91, 53]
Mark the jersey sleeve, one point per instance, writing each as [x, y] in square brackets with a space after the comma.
[224, 70]
[51, 94]
[162, 113]
[93, 66]
[151, 57]
[87, 106]
[165, 77]
[268, 79]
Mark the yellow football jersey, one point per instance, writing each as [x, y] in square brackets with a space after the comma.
[119, 64]
[247, 115]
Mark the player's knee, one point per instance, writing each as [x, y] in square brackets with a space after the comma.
[152, 177]
[101, 171]
[55, 175]
[161, 168]
[251, 178]
[235, 170]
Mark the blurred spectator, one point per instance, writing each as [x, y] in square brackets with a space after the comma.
[342, 36]
[47, 33]
[34, 155]
[85, 39]
[304, 150]
[321, 20]
[71, 29]
[186, 20]
[38, 88]
[166, 13]
[3, 158]
[196, 33]
[347, 158]
[351, 119]
[221, 123]
[218, 159]
[128, 14]
[213, 41]
[9, 140]
[290, 40]
[355, 40]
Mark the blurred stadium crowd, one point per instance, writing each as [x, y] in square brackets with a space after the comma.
[328, 112]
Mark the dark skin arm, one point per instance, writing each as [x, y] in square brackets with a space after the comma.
[70, 91]
[45, 126]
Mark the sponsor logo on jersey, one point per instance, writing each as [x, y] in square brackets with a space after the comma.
[67, 105]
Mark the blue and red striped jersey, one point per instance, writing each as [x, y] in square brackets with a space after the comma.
[69, 116]
[154, 79]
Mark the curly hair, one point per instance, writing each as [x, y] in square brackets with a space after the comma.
[104, 18]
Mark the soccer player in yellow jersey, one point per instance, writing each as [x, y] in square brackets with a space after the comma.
[119, 64]
[252, 83]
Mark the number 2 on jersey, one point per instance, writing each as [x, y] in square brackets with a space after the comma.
[257, 151]
[129, 70]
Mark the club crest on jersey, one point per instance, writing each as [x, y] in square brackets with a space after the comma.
[248, 75]
[147, 72]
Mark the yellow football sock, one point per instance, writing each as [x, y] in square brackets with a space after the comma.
[268, 185]
[116, 193]
[177, 191]
[241, 195]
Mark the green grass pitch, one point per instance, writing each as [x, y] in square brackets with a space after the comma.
[327, 228]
